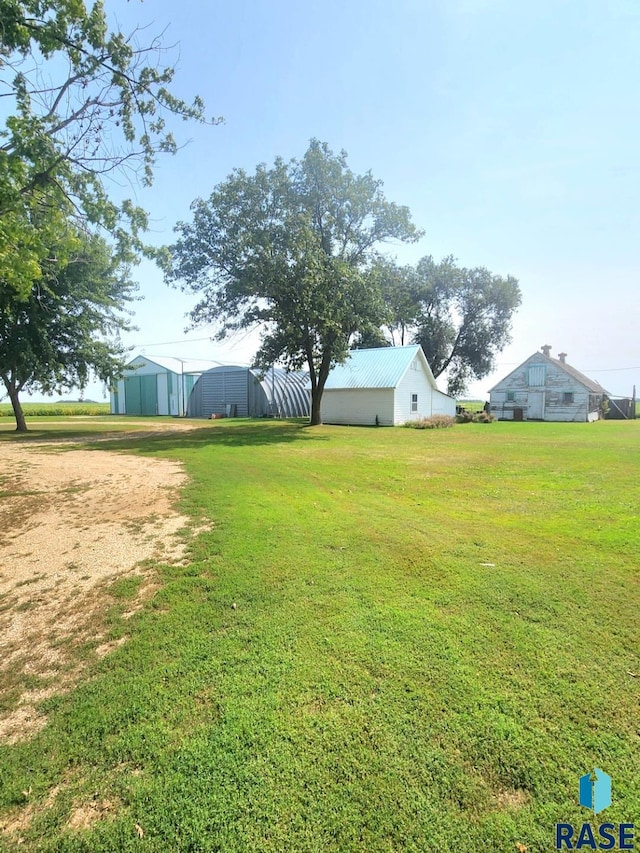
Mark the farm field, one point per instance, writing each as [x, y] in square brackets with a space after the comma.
[61, 409]
[386, 640]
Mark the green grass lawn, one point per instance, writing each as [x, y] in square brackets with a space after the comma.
[435, 635]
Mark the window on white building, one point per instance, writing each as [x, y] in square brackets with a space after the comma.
[414, 402]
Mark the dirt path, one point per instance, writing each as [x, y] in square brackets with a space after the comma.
[69, 522]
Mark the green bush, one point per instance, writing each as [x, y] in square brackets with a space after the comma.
[434, 422]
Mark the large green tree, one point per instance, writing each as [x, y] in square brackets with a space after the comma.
[68, 325]
[461, 317]
[289, 249]
[82, 103]
[401, 291]
[465, 319]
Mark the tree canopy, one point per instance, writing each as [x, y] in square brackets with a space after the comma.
[289, 249]
[82, 104]
[461, 317]
[69, 323]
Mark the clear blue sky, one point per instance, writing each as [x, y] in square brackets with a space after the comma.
[510, 129]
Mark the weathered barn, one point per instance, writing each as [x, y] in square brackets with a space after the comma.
[248, 392]
[385, 386]
[156, 385]
[547, 389]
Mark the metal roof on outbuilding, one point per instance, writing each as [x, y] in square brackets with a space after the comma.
[177, 365]
[382, 367]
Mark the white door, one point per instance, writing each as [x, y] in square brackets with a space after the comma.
[535, 409]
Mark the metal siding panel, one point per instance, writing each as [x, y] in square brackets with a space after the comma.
[163, 393]
[132, 395]
[235, 392]
[251, 392]
[149, 395]
[257, 402]
[194, 406]
[211, 393]
[284, 393]
[141, 367]
[222, 387]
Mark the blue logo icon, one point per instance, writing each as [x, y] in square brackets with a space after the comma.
[595, 790]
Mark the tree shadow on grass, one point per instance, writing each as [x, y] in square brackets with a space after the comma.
[231, 433]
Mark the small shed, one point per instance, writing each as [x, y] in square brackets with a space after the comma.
[543, 388]
[248, 392]
[385, 386]
[156, 385]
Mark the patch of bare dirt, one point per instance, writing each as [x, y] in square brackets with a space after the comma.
[84, 816]
[511, 798]
[70, 522]
[20, 820]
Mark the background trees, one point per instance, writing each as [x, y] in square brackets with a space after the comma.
[289, 249]
[461, 317]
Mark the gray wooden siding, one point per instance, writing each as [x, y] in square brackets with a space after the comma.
[557, 382]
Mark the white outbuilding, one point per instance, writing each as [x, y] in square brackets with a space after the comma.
[385, 386]
[157, 385]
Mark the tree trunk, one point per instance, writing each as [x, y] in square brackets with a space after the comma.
[21, 424]
[316, 399]
[317, 391]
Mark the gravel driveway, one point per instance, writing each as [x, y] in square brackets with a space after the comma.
[70, 522]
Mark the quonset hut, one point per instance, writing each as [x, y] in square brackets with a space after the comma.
[247, 392]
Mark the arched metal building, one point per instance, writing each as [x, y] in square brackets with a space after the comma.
[247, 392]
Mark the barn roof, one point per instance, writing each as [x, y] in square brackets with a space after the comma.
[591, 384]
[382, 367]
[177, 365]
[539, 357]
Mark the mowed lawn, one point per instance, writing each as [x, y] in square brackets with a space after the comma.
[390, 640]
